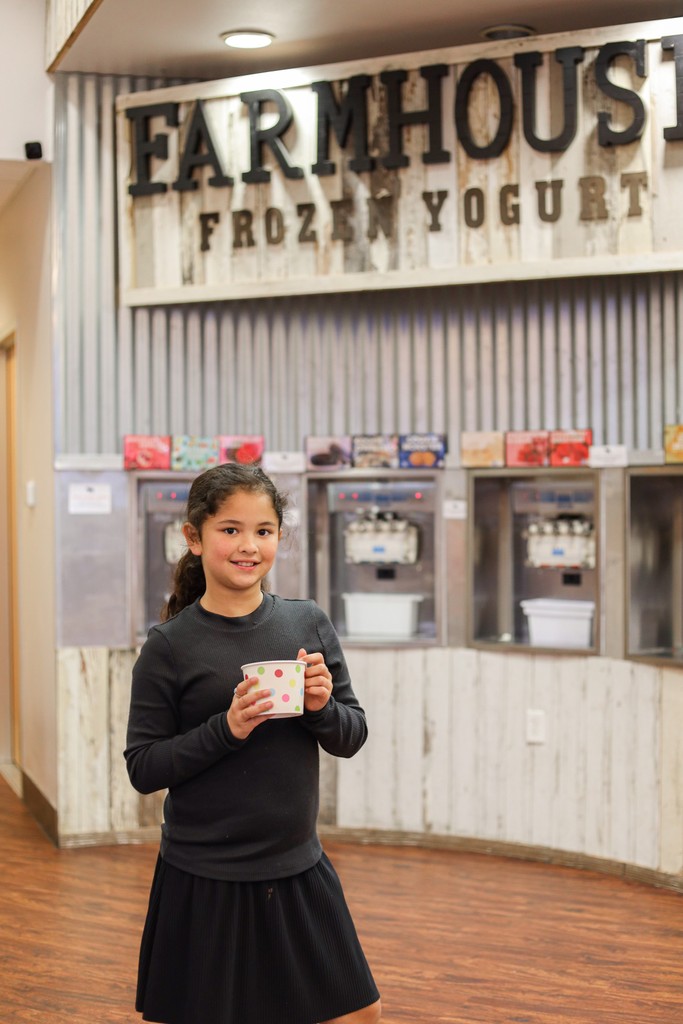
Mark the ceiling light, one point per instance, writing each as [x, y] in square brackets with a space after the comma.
[507, 32]
[247, 38]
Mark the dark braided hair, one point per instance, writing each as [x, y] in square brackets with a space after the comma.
[209, 490]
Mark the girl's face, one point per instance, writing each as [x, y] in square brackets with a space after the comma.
[237, 546]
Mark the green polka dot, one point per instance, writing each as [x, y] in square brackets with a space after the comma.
[297, 707]
[297, 668]
[260, 670]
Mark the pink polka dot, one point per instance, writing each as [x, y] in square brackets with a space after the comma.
[278, 672]
[285, 697]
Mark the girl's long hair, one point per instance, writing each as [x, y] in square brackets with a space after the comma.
[209, 490]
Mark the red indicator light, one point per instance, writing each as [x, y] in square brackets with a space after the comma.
[173, 494]
[355, 495]
[160, 495]
[342, 495]
[418, 494]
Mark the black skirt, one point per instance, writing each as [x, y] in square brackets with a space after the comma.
[278, 952]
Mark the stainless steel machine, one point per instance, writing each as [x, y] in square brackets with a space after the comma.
[372, 554]
[160, 502]
[534, 558]
[655, 563]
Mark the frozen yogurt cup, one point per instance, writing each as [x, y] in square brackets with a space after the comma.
[285, 680]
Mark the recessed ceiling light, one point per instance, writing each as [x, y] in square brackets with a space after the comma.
[507, 32]
[247, 38]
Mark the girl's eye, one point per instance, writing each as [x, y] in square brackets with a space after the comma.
[230, 530]
[265, 532]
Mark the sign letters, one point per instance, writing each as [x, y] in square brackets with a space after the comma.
[504, 162]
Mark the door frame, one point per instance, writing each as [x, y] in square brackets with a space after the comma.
[9, 590]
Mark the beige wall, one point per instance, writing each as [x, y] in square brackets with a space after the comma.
[25, 311]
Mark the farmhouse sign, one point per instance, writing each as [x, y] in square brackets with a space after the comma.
[550, 157]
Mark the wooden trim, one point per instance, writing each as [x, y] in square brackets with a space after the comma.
[496, 848]
[40, 807]
[130, 837]
[459, 844]
[422, 277]
[12, 534]
[55, 59]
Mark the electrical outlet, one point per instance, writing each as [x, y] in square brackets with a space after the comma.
[535, 725]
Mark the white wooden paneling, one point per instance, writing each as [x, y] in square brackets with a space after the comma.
[408, 716]
[448, 753]
[462, 766]
[671, 790]
[125, 802]
[438, 700]
[648, 693]
[83, 731]
[568, 732]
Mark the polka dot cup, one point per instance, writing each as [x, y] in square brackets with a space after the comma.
[285, 679]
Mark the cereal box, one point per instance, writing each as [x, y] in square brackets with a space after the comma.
[328, 453]
[527, 448]
[421, 451]
[673, 442]
[146, 451]
[482, 448]
[375, 451]
[570, 447]
[189, 452]
[246, 449]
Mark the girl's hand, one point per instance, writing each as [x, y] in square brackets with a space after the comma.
[244, 713]
[317, 681]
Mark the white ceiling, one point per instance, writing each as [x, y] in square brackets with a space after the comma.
[180, 38]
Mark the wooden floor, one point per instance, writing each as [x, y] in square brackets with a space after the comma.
[451, 937]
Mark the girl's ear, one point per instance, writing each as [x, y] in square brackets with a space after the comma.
[192, 538]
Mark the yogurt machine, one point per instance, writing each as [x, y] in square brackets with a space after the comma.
[159, 500]
[372, 562]
[160, 504]
[534, 558]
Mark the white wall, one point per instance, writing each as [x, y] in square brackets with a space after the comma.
[25, 311]
[25, 87]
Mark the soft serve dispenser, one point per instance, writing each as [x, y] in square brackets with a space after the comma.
[372, 556]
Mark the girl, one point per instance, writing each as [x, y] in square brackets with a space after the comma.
[247, 922]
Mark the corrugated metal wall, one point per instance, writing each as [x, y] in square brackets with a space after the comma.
[605, 353]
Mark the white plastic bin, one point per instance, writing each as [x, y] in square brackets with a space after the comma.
[557, 623]
[382, 615]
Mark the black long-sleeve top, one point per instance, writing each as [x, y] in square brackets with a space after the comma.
[243, 810]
